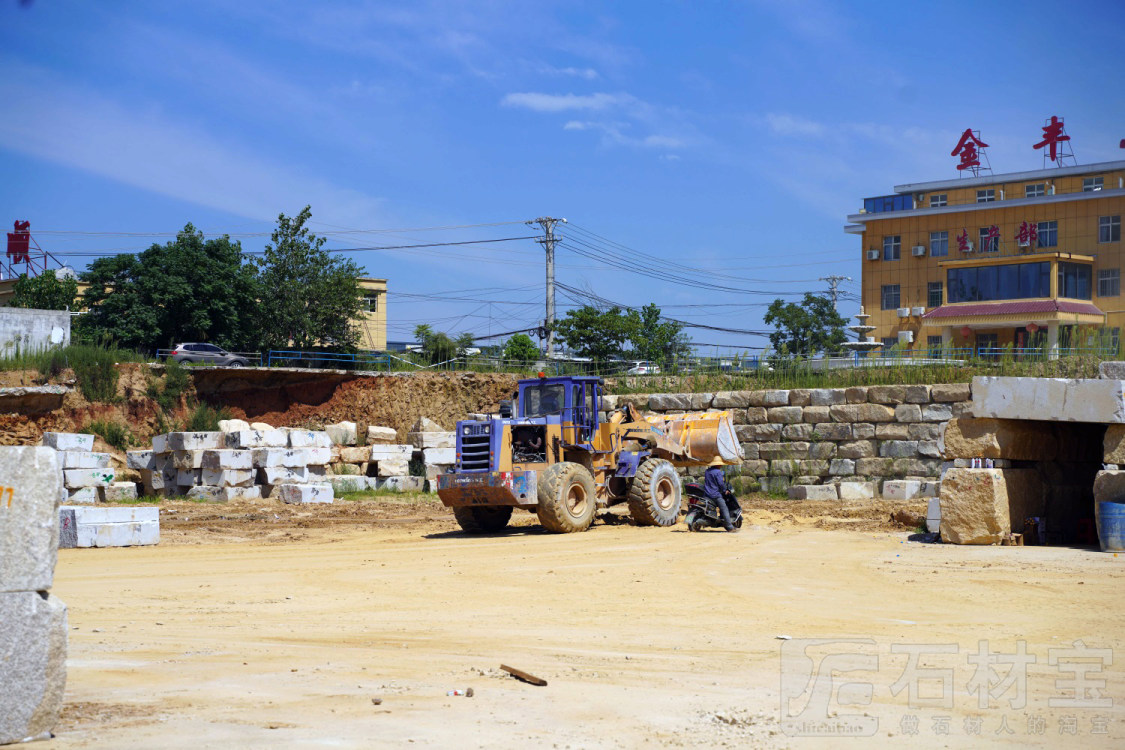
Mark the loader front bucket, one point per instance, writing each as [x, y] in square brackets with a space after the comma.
[704, 436]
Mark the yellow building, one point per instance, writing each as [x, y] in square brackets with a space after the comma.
[1021, 258]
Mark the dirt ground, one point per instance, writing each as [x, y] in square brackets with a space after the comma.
[263, 625]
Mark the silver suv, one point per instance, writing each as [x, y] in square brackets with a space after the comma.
[207, 354]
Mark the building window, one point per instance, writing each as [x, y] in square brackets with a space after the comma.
[1034, 191]
[1009, 281]
[889, 341]
[890, 296]
[939, 244]
[933, 294]
[1090, 184]
[939, 200]
[934, 345]
[371, 302]
[1048, 234]
[1109, 282]
[892, 247]
[986, 196]
[988, 345]
[1074, 280]
[989, 240]
[1109, 229]
[888, 203]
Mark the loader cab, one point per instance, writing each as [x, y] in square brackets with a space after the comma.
[569, 400]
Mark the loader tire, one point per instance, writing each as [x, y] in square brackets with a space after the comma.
[566, 498]
[654, 495]
[481, 520]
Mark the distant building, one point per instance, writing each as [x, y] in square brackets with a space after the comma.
[1023, 258]
[372, 322]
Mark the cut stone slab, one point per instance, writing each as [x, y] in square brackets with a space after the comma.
[391, 452]
[342, 433]
[1111, 370]
[68, 441]
[402, 484]
[444, 456]
[118, 492]
[205, 493]
[227, 477]
[1050, 399]
[814, 492]
[188, 477]
[901, 489]
[32, 664]
[318, 456]
[393, 467]
[283, 475]
[76, 478]
[29, 531]
[246, 439]
[302, 494]
[227, 459]
[194, 441]
[253, 492]
[974, 506]
[267, 458]
[381, 435]
[125, 526]
[160, 444]
[933, 516]
[433, 439]
[141, 460]
[187, 460]
[83, 460]
[309, 439]
[233, 425]
[357, 455]
[856, 490]
[82, 496]
[1012, 439]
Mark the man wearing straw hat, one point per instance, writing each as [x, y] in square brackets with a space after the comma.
[714, 486]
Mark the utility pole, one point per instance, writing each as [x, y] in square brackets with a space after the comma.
[548, 243]
[833, 282]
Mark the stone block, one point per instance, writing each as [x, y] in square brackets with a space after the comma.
[423, 440]
[898, 449]
[816, 414]
[1000, 438]
[1049, 399]
[925, 431]
[841, 467]
[974, 506]
[758, 432]
[445, 456]
[357, 455]
[921, 467]
[233, 425]
[316, 470]
[283, 475]
[392, 467]
[800, 397]
[886, 394]
[340, 485]
[33, 664]
[83, 460]
[863, 431]
[822, 450]
[76, 478]
[754, 468]
[901, 489]
[917, 394]
[227, 459]
[828, 397]
[1113, 444]
[814, 492]
[929, 489]
[962, 409]
[268, 458]
[187, 460]
[205, 493]
[775, 485]
[930, 449]
[892, 431]
[773, 451]
[82, 496]
[250, 439]
[784, 414]
[142, 460]
[32, 487]
[349, 470]
[756, 415]
[227, 477]
[856, 449]
[261, 427]
[303, 494]
[391, 452]
[950, 392]
[908, 413]
[750, 451]
[814, 468]
[769, 398]
[342, 433]
[856, 490]
[308, 439]
[68, 441]
[785, 467]
[118, 492]
[381, 435]
[108, 526]
[797, 431]
[933, 515]
[195, 441]
[318, 456]
[937, 412]
[875, 467]
[1109, 487]
[250, 492]
[160, 444]
[862, 413]
[855, 395]
[188, 477]
[832, 431]
[731, 400]
[403, 484]
[701, 401]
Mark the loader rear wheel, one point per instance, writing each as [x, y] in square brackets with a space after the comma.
[480, 520]
[654, 496]
[566, 498]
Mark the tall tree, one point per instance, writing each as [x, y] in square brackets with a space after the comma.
[656, 340]
[190, 289]
[520, 348]
[805, 329]
[44, 292]
[309, 296]
[594, 333]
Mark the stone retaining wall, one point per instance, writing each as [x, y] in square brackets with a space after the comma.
[826, 436]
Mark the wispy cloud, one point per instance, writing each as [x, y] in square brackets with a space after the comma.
[588, 74]
[616, 133]
[791, 125]
[538, 102]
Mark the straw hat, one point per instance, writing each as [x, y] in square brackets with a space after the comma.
[717, 461]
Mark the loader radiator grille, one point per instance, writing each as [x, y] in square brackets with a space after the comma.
[475, 453]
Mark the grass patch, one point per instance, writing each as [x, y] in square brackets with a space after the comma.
[205, 419]
[385, 494]
[176, 383]
[114, 433]
[144, 500]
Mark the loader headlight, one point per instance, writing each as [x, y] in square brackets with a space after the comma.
[466, 430]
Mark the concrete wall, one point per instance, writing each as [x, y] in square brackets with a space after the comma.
[32, 330]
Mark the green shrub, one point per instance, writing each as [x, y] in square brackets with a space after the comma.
[96, 373]
[176, 381]
[114, 433]
[53, 363]
[205, 419]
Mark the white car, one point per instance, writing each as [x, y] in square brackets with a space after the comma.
[643, 368]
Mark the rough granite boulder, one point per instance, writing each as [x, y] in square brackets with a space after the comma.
[29, 527]
[32, 665]
[1013, 439]
[974, 506]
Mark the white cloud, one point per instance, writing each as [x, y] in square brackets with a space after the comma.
[538, 102]
[587, 73]
[792, 125]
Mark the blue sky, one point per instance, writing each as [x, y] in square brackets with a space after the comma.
[732, 138]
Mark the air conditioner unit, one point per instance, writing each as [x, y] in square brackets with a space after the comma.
[918, 251]
[906, 337]
[918, 311]
[873, 255]
[904, 312]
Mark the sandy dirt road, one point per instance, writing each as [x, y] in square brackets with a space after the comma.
[220, 637]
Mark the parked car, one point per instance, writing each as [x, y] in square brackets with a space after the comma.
[643, 368]
[207, 354]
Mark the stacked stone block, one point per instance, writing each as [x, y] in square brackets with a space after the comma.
[86, 476]
[34, 632]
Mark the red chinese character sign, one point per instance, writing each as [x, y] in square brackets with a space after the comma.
[1055, 140]
[992, 239]
[19, 242]
[963, 242]
[1028, 234]
[969, 149]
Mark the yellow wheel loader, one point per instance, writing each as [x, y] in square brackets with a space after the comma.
[555, 457]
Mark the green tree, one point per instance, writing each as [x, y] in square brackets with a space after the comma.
[594, 333]
[44, 292]
[436, 347]
[657, 341]
[309, 297]
[807, 328]
[520, 348]
[189, 289]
